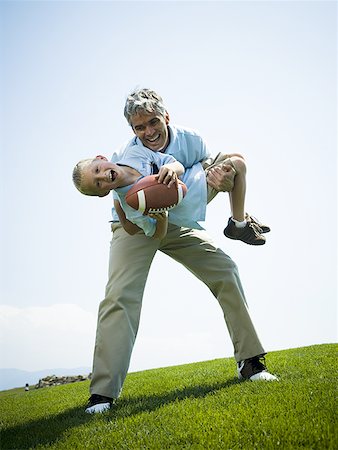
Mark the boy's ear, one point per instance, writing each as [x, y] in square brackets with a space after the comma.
[104, 195]
[101, 157]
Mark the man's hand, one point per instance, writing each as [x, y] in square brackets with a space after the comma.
[221, 178]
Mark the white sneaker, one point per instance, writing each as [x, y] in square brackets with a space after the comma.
[254, 369]
[264, 376]
[98, 404]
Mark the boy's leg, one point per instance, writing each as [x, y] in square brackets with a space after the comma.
[220, 161]
[196, 251]
[239, 226]
[237, 194]
[119, 312]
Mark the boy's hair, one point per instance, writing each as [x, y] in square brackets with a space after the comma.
[143, 101]
[77, 175]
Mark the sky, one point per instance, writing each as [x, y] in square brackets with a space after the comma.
[256, 78]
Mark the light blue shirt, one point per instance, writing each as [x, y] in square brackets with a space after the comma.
[192, 208]
[185, 145]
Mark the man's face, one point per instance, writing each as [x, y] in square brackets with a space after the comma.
[101, 176]
[152, 130]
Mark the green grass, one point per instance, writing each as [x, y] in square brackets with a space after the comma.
[194, 406]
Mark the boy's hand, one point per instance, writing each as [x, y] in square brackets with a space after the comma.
[161, 224]
[160, 217]
[221, 178]
[167, 176]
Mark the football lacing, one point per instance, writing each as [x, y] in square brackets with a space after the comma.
[160, 210]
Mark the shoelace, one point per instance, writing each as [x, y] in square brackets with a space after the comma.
[96, 397]
[258, 363]
[256, 228]
[256, 223]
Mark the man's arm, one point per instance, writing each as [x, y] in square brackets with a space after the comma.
[129, 227]
[221, 178]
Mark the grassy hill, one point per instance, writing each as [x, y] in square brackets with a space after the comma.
[194, 406]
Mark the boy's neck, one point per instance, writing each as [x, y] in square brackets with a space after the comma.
[130, 175]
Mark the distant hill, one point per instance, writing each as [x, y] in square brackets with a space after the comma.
[13, 378]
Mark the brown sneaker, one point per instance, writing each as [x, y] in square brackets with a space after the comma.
[260, 227]
[248, 234]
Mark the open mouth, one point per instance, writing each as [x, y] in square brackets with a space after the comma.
[152, 141]
[112, 175]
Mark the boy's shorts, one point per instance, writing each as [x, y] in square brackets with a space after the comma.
[207, 164]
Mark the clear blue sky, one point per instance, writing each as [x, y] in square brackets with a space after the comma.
[258, 78]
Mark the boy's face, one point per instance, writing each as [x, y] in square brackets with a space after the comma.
[152, 130]
[101, 176]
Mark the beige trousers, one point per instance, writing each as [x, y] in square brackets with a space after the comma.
[119, 312]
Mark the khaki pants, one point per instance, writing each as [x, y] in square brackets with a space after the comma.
[119, 312]
[207, 164]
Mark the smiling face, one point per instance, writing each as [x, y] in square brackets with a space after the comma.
[101, 176]
[151, 129]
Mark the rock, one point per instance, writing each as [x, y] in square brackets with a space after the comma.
[53, 380]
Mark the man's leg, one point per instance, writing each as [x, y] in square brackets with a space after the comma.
[119, 312]
[196, 251]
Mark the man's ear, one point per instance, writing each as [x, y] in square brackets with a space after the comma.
[166, 117]
[101, 157]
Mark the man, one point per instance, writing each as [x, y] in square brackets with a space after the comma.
[132, 252]
[149, 119]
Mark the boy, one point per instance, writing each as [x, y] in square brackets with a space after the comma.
[98, 176]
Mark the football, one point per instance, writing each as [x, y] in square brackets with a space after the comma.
[150, 196]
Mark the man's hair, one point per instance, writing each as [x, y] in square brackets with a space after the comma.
[77, 175]
[142, 101]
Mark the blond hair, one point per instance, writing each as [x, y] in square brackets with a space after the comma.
[77, 175]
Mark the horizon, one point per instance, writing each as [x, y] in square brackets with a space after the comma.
[6, 384]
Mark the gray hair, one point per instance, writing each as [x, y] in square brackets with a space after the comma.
[77, 175]
[143, 101]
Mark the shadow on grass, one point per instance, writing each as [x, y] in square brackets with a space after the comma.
[48, 430]
[135, 405]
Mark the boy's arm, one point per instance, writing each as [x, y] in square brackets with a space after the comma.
[129, 227]
[161, 224]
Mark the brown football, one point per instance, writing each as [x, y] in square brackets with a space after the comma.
[150, 196]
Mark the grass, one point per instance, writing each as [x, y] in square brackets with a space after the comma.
[194, 406]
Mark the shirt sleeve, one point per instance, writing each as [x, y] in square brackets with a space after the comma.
[147, 224]
[196, 151]
[162, 158]
[187, 146]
